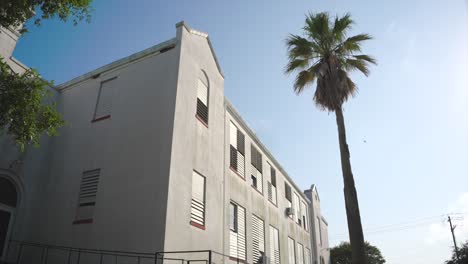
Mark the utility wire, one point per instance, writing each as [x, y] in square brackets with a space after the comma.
[419, 222]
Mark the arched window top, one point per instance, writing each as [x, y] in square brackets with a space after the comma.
[204, 78]
[8, 194]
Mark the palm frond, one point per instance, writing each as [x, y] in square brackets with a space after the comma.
[360, 65]
[341, 26]
[352, 44]
[317, 26]
[296, 64]
[366, 58]
[298, 47]
[304, 79]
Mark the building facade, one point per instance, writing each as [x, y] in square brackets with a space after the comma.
[154, 158]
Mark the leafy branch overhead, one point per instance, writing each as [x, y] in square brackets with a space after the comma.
[13, 13]
[27, 108]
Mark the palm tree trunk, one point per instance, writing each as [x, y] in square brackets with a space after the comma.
[356, 236]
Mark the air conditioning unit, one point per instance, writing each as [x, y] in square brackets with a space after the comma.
[290, 211]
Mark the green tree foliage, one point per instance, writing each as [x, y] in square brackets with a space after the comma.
[462, 255]
[341, 254]
[13, 13]
[325, 55]
[27, 108]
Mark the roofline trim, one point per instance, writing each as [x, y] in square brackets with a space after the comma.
[126, 60]
[230, 108]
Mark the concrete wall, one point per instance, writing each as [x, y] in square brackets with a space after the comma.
[240, 191]
[196, 147]
[8, 39]
[321, 248]
[132, 149]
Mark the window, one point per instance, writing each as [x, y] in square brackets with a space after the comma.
[104, 101]
[288, 195]
[237, 150]
[297, 211]
[274, 246]
[202, 100]
[300, 254]
[237, 232]
[305, 215]
[307, 256]
[233, 217]
[256, 170]
[258, 239]
[87, 196]
[272, 184]
[291, 251]
[197, 212]
[319, 233]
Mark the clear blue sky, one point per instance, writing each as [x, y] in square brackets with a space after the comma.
[407, 128]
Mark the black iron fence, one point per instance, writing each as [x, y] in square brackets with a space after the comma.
[21, 252]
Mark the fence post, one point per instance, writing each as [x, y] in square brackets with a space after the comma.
[138, 260]
[19, 253]
[69, 255]
[47, 254]
[42, 255]
[79, 256]
[209, 256]
[100, 260]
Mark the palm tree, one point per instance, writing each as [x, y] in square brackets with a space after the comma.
[326, 55]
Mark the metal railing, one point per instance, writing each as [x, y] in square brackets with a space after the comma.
[29, 252]
[23, 252]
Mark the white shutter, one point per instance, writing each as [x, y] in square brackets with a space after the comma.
[241, 252]
[237, 238]
[274, 246]
[296, 207]
[202, 92]
[104, 103]
[304, 213]
[198, 199]
[307, 256]
[240, 164]
[259, 181]
[258, 238]
[300, 253]
[233, 135]
[291, 251]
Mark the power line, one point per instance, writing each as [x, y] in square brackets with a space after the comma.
[418, 222]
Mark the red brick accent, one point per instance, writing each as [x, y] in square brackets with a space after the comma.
[83, 221]
[101, 118]
[202, 227]
[201, 120]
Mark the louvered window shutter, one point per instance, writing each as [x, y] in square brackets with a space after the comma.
[197, 214]
[307, 256]
[291, 251]
[104, 102]
[233, 158]
[300, 254]
[88, 192]
[274, 246]
[258, 238]
[202, 101]
[237, 150]
[237, 239]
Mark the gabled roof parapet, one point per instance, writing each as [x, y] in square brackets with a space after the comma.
[205, 35]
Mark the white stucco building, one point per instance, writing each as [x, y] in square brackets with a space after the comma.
[154, 158]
